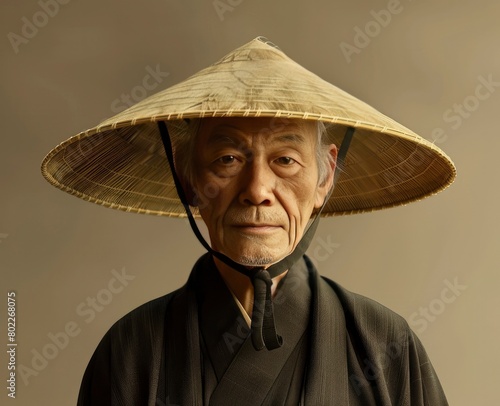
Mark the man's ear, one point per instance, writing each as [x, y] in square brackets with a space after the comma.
[325, 186]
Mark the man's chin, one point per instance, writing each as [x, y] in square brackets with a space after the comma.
[257, 259]
[254, 252]
[253, 262]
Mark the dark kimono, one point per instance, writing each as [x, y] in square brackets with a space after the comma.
[192, 347]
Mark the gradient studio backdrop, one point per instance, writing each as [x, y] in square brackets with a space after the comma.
[77, 267]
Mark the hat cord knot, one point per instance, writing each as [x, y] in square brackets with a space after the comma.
[263, 324]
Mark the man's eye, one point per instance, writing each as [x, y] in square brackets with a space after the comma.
[285, 160]
[227, 159]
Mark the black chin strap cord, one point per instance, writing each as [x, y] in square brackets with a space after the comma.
[263, 333]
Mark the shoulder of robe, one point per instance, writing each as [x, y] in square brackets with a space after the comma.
[146, 319]
[130, 352]
[392, 349]
[368, 315]
[364, 314]
[388, 354]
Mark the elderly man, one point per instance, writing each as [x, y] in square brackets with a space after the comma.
[255, 145]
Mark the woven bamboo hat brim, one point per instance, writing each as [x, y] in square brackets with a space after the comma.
[121, 162]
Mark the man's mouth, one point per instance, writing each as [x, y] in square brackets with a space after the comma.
[257, 227]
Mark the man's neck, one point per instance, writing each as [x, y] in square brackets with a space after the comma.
[241, 285]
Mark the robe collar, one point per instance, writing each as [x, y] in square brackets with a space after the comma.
[331, 354]
[228, 345]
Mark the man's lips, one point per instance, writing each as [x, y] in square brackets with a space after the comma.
[257, 227]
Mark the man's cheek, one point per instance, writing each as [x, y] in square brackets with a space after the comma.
[206, 193]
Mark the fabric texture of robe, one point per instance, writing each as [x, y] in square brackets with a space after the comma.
[192, 347]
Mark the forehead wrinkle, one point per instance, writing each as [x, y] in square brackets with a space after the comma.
[234, 135]
[293, 133]
[218, 135]
[288, 138]
[221, 139]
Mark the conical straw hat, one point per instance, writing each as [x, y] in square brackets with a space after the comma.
[121, 162]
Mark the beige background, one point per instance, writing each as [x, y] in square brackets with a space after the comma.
[57, 251]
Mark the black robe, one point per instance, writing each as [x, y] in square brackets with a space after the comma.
[191, 347]
[232, 368]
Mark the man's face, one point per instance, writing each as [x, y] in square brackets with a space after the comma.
[256, 185]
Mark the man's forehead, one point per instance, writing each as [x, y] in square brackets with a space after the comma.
[285, 129]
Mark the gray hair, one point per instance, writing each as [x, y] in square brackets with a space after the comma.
[183, 135]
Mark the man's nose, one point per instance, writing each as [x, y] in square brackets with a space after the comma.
[257, 184]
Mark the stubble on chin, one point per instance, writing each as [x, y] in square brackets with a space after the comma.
[255, 261]
[258, 257]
